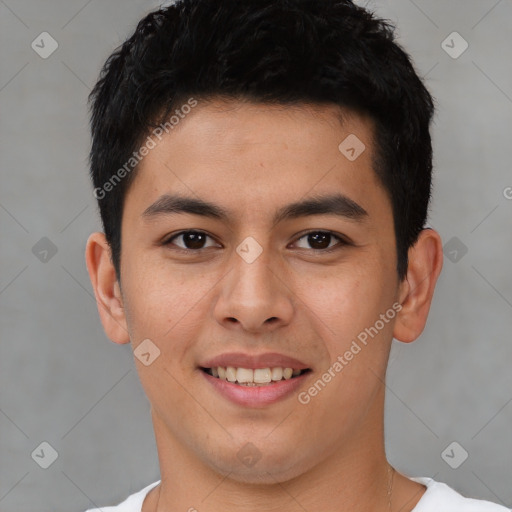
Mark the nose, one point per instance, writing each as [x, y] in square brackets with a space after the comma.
[254, 297]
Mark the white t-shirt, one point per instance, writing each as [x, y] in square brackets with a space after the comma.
[436, 496]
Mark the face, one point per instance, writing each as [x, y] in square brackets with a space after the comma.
[290, 261]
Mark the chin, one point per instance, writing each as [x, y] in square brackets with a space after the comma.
[249, 466]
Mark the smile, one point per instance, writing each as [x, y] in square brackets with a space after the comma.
[253, 377]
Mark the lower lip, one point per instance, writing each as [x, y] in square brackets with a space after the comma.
[256, 396]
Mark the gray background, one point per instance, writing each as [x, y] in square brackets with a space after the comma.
[63, 382]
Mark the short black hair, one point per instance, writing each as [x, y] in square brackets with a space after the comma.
[265, 51]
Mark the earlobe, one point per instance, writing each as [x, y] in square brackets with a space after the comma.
[106, 288]
[417, 289]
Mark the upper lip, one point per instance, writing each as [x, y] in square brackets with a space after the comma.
[266, 360]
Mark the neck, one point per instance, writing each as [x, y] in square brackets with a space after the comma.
[355, 476]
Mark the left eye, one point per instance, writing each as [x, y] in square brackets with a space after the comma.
[319, 240]
[191, 240]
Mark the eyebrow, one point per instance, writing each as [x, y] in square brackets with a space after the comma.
[333, 204]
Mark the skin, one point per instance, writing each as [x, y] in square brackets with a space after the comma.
[253, 159]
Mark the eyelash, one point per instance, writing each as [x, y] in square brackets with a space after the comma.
[341, 241]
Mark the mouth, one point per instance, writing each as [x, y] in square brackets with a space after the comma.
[257, 377]
[254, 380]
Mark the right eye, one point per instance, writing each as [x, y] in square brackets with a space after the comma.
[191, 240]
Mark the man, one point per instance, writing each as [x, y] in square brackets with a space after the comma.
[263, 172]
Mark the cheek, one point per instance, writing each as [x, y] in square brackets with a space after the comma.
[348, 304]
[165, 301]
[153, 301]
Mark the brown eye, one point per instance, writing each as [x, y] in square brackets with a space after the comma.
[320, 240]
[190, 240]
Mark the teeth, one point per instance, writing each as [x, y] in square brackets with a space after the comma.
[277, 373]
[244, 375]
[249, 377]
[262, 375]
[231, 374]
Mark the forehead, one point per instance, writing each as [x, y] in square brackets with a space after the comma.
[248, 155]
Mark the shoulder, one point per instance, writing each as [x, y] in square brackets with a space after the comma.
[441, 495]
[131, 504]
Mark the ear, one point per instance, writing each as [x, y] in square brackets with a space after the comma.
[106, 288]
[417, 289]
